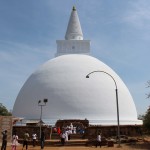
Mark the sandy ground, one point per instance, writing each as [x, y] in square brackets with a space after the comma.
[137, 146]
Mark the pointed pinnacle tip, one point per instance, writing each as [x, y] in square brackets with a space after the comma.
[74, 8]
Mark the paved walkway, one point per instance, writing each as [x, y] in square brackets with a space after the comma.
[123, 147]
[137, 146]
[68, 148]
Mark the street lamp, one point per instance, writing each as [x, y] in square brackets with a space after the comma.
[116, 91]
[41, 104]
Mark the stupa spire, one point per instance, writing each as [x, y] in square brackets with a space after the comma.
[74, 31]
[73, 43]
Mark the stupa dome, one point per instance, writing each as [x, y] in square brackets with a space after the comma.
[71, 95]
[62, 80]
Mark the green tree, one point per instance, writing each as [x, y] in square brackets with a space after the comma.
[146, 120]
[146, 117]
[148, 86]
[4, 111]
[141, 117]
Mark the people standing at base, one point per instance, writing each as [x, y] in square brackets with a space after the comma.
[42, 138]
[71, 127]
[14, 141]
[25, 140]
[34, 137]
[66, 135]
[4, 140]
[69, 134]
[63, 136]
[98, 140]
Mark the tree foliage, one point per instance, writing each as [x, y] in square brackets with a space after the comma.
[146, 117]
[4, 111]
[146, 120]
[148, 85]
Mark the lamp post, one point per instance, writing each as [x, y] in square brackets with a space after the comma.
[41, 104]
[117, 105]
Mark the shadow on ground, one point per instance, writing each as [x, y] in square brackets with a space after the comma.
[140, 146]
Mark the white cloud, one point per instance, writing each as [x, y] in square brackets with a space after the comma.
[17, 62]
[138, 14]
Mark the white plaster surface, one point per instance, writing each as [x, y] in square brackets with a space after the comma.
[74, 31]
[72, 96]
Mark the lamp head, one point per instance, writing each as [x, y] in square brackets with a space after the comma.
[39, 101]
[87, 76]
[45, 100]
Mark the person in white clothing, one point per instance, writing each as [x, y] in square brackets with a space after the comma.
[14, 141]
[71, 127]
[98, 140]
[66, 135]
[63, 136]
[34, 137]
[69, 133]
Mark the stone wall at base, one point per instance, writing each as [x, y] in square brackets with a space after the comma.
[110, 131]
[90, 131]
[32, 129]
[6, 124]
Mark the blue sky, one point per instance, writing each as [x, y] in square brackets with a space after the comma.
[119, 32]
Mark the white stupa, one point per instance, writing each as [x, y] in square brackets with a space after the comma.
[70, 94]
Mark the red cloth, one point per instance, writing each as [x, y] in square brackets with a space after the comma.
[58, 130]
